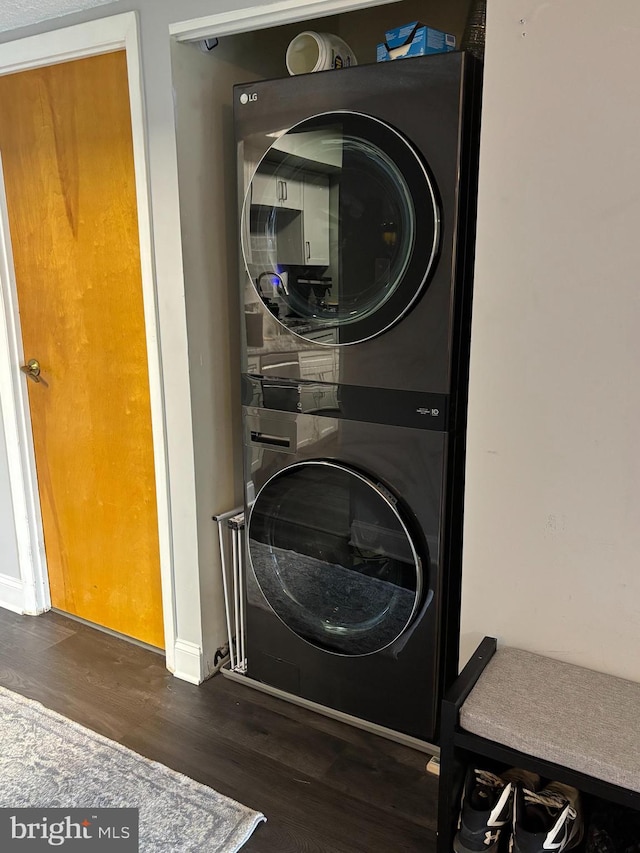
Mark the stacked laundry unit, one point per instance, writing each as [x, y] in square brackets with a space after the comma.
[357, 193]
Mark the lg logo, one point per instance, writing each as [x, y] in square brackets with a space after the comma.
[245, 98]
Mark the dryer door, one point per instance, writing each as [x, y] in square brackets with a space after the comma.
[334, 558]
[340, 227]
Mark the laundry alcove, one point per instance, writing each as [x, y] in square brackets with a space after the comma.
[203, 82]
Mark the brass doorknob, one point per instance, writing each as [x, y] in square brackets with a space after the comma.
[32, 369]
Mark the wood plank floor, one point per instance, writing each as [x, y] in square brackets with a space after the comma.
[325, 787]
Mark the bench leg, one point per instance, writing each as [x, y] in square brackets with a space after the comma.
[452, 770]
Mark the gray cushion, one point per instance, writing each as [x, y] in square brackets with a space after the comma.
[581, 719]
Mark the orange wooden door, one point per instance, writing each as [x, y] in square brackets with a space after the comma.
[66, 144]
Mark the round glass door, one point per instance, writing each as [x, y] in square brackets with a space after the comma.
[334, 558]
[340, 227]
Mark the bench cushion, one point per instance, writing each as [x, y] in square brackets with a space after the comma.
[581, 719]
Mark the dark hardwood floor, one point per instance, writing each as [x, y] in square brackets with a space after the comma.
[325, 787]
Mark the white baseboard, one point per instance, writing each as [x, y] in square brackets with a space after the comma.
[11, 594]
[188, 662]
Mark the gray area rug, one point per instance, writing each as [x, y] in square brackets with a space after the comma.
[47, 760]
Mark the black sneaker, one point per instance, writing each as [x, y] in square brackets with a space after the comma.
[486, 808]
[546, 820]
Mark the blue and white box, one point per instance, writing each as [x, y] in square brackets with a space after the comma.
[414, 39]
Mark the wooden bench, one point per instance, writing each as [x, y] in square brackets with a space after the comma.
[520, 709]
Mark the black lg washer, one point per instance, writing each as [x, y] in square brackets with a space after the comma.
[346, 580]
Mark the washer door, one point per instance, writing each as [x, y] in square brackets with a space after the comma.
[340, 227]
[334, 558]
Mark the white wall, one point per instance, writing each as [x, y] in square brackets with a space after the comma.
[211, 320]
[17, 13]
[552, 532]
[8, 546]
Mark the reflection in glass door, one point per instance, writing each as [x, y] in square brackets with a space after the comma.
[333, 557]
[341, 227]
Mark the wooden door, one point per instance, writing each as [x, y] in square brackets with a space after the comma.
[66, 144]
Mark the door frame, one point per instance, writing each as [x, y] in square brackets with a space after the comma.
[262, 16]
[31, 594]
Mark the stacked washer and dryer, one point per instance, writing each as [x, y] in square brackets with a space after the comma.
[357, 193]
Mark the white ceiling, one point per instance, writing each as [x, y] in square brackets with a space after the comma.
[20, 13]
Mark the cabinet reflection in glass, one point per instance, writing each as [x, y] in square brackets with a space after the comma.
[328, 224]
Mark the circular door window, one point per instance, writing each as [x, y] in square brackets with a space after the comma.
[340, 227]
[333, 558]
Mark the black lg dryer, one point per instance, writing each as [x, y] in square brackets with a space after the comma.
[358, 192]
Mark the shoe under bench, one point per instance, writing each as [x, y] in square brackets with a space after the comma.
[567, 723]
